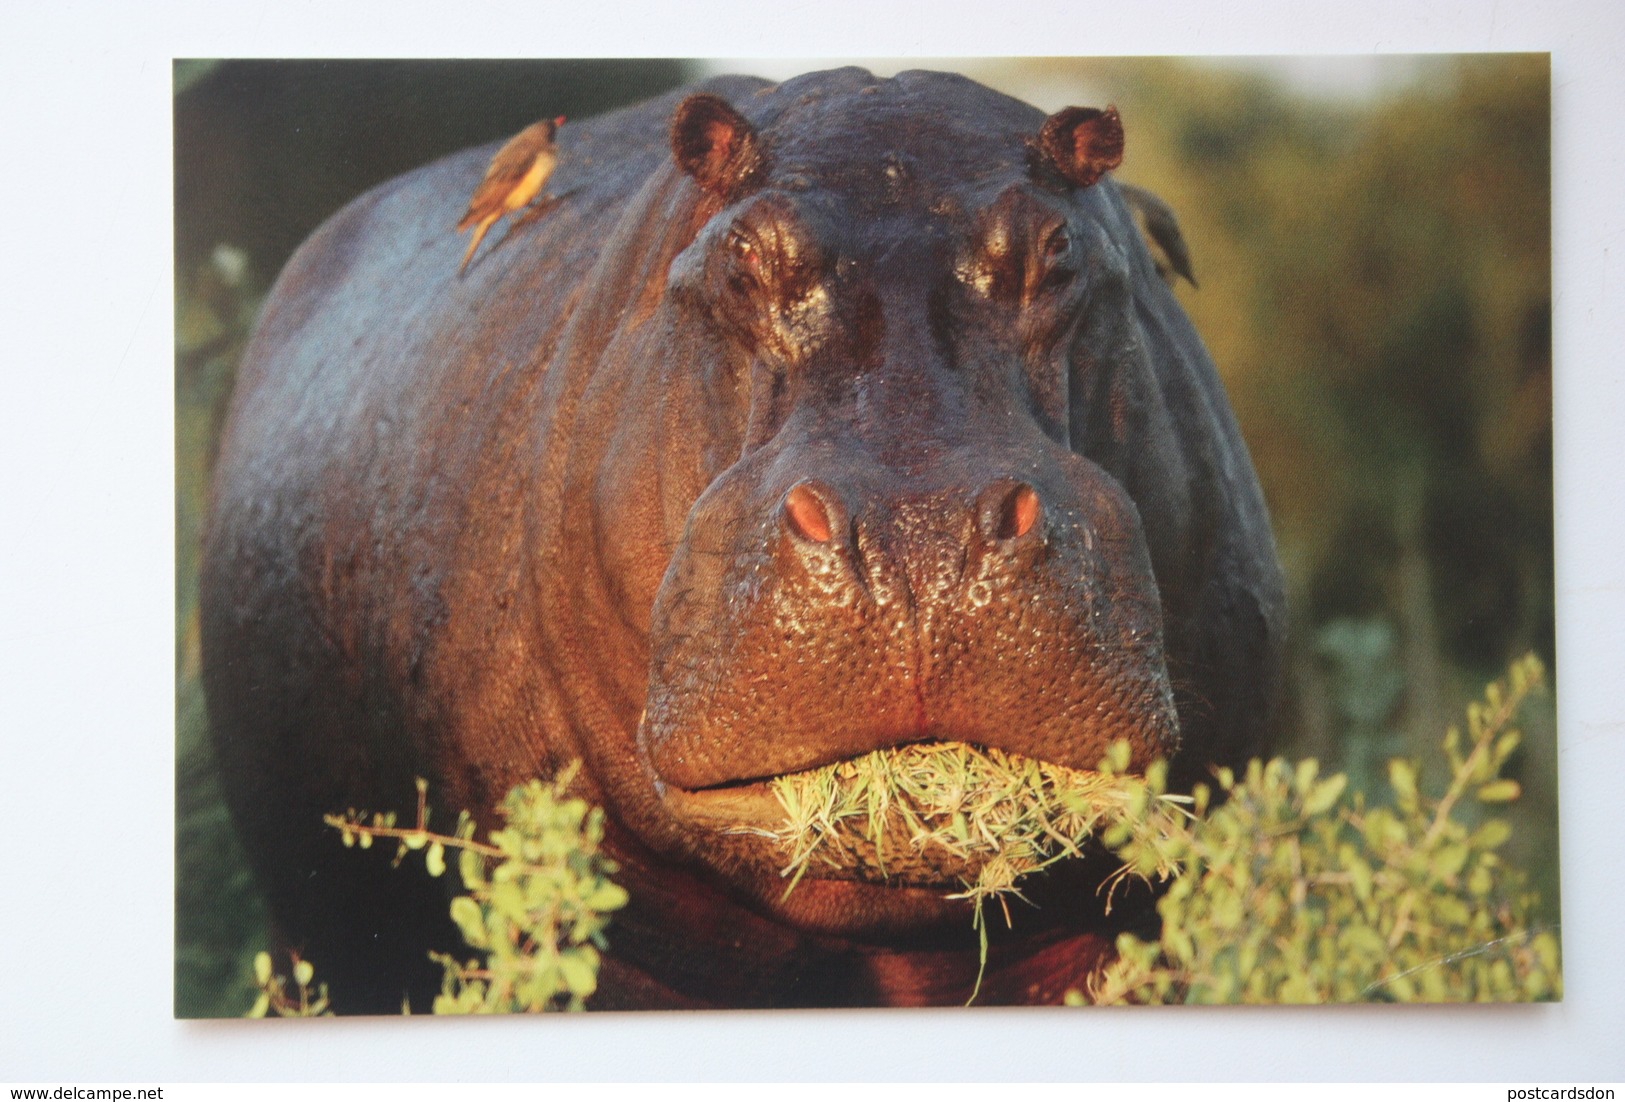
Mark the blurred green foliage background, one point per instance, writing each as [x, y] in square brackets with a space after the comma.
[1375, 287]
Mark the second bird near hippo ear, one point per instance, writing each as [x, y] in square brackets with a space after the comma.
[715, 144]
[1081, 143]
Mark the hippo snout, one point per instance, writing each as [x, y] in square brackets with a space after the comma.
[1013, 611]
[927, 554]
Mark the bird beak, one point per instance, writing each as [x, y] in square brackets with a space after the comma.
[559, 121]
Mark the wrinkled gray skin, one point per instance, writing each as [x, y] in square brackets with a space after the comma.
[855, 418]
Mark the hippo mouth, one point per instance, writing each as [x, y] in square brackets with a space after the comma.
[726, 807]
[946, 816]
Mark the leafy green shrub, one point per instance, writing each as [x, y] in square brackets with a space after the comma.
[538, 901]
[1288, 893]
[311, 1001]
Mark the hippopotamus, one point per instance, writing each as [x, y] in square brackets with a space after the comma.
[808, 419]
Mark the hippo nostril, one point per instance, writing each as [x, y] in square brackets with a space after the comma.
[1009, 511]
[806, 512]
[1022, 513]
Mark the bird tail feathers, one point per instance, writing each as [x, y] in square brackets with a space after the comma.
[479, 235]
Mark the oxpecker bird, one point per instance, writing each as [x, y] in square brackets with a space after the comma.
[1161, 230]
[515, 177]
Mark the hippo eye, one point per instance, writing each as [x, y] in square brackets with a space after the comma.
[745, 272]
[1057, 244]
[1055, 258]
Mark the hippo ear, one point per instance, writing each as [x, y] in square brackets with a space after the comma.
[715, 144]
[1081, 143]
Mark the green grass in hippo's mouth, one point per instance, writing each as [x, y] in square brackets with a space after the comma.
[952, 814]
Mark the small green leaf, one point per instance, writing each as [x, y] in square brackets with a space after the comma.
[1360, 877]
[1492, 834]
[1402, 776]
[1449, 861]
[580, 976]
[471, 866]
[1500, 792]
[607, 896]
[471, 921]
[1117, 757]
[436, 859]
[1325, 794]
[262, 969]
[1116, 835]
[303, 973]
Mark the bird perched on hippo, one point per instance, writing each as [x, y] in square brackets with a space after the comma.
[514, 178]
[826, 417]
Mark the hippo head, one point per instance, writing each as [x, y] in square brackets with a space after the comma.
[914, 306]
